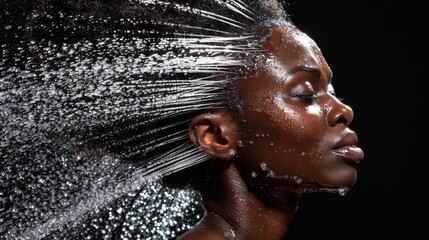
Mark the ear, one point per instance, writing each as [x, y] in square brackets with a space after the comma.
[216, 133]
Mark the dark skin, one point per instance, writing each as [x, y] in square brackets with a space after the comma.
[292, 138]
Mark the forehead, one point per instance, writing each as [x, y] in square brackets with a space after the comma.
[291, 48]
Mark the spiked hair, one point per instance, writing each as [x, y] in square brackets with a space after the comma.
[129, 75]
[123, 76]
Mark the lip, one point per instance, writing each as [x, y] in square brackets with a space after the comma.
[347, 148]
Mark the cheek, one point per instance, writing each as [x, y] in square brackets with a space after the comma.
[299, 133]
[283, 122]
[312, 125]
[270, 124]
[298, 124]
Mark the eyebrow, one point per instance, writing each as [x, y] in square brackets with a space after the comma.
[313, 70]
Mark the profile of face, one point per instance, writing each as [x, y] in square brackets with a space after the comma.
[292, 131]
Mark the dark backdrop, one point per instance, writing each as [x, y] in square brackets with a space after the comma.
[377, 51]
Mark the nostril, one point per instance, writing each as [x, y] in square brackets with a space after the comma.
[342, 120]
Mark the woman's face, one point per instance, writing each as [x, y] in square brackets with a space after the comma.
[293, 131]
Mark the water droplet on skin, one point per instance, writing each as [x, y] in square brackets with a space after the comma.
[231, 153]
[343, 191]
[251, 142]
[254, 174]
[263, 166]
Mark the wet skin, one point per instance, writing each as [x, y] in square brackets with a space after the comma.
[291, 137]
[295, 128]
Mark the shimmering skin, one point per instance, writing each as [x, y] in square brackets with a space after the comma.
[292, 120]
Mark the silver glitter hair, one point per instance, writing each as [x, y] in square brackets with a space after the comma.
[95, 101]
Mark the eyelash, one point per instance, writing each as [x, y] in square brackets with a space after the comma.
[312, 97]
[308, 98]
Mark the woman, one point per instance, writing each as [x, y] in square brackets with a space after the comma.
[290, 137]
[239, 105]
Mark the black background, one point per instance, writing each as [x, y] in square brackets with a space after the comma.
[377, 51]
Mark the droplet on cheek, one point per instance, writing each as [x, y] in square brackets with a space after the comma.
[263, 166]
[232, 153]
[313, 109]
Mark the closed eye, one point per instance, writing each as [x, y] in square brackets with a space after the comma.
[307, 98]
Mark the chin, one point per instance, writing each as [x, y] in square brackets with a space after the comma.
[344, 178]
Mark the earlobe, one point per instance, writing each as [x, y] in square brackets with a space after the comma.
[215, 133]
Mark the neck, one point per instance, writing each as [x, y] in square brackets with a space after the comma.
[237, 213]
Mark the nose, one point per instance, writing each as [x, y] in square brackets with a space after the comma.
[339, 113]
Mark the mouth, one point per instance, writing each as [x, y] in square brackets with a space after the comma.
[347, 148]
